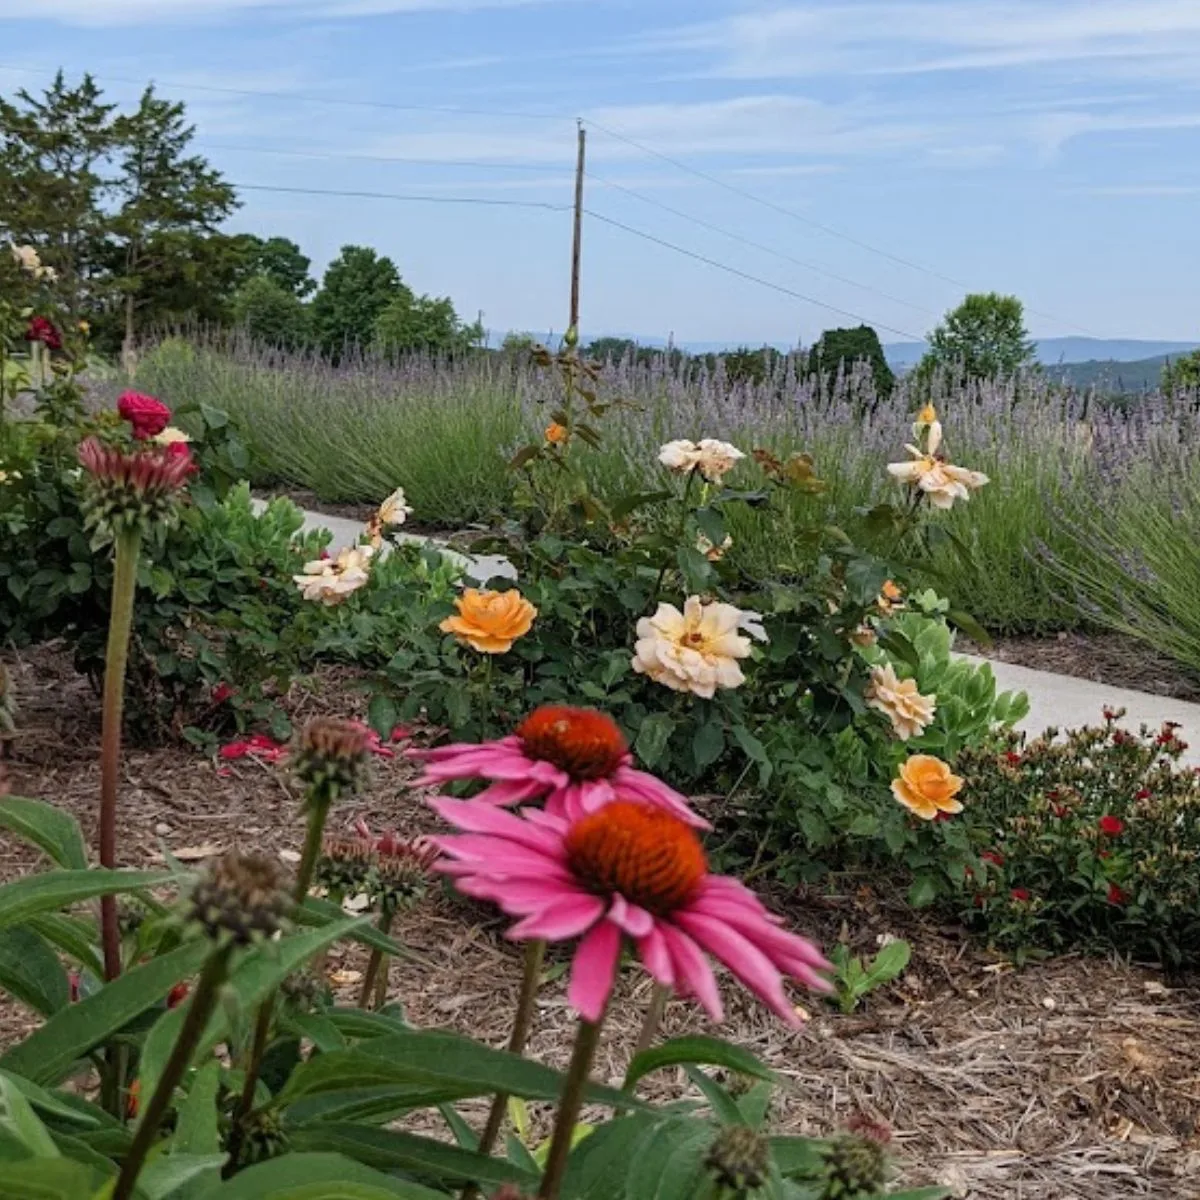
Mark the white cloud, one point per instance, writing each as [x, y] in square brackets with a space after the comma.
[145, 12]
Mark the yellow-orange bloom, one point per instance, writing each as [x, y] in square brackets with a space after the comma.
[927, 415]
[557, 434]
[899, 701]
[891, 597]
[926, 787]
[490, 621]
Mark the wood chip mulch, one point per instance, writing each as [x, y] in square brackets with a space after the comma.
[1072, 1079]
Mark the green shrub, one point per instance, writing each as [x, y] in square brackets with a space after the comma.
[1092, 840]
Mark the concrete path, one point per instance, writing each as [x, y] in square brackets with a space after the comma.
[1059, 700]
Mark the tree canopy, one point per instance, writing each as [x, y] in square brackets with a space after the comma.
[984, 337]
[839, 349]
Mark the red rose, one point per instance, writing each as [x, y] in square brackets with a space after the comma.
[1012, 758]
[149, 417]
[1112, 826]
[41, 329]
[1021, 895]
[1142, 794]
[1117, 895]
[994, 857]
[221, 693]
[1061, 810]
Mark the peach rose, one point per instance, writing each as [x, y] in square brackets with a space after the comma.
[926, 787]
[490, 621]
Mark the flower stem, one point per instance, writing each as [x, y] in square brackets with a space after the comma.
[375, 962]
[262, 1027]
[203, 1001]
[586, 1041]
[116, 657]
[683, 516]
[654, 1015]
[535, 953]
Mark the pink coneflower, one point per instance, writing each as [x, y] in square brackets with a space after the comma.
[624, 871]
[577, 759]
[130, 488]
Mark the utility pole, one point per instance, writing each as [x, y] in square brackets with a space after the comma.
[577, 243]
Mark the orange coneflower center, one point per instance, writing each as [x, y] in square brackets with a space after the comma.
[581, 741]
[644, 854]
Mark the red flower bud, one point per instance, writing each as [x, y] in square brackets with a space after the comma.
[1117, 895]
[1020, 895]
[994, 857]
[41, 329]
[1112, 826]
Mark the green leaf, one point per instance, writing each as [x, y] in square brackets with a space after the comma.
[22, 1134]
[969, 626]
[196, 1130]
[382, 715]
[635, 500]
[923, 891]
[50, 890]
[318, 913]
[30, 970]
[259, 973]
[888, 963]
[316, 1177]
[442, 1066]
[597, 1168]
[390, 1150]
[652, 737]
[723, 1105]
[798, 1156]
[72, 935]
[46, 1102]
[46, 1179]
[357, 1023]
[708, 744]
[50, 1052]
[53, 831]
[464, 1135]
[167, 1173]
[899, 647]
[695, 1049]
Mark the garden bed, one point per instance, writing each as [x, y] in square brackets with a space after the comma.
[1070, 1079]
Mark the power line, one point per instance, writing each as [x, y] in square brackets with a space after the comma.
[737, 237]
[377, 158]
[484, 200]
[777, 287]
[306, 98]
[790, 212]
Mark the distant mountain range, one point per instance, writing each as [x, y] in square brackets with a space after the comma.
[1064, 350]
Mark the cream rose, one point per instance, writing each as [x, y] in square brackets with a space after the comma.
[899, 701]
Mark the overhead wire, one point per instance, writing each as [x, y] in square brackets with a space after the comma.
[492, 201]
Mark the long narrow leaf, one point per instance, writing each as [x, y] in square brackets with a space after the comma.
[53, 831]
[316, 1177]
[52, 890]
[30, 970]
[695, 1049]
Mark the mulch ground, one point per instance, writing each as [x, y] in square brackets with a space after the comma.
[1073, 1079]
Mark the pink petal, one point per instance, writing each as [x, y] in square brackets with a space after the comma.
[635, 921]
[498, 823]
[652, 949]
[509, 793]
[578, 798]
[743, 958]
[594, 969]
[631, 784]
[693, 975]
[565, 918]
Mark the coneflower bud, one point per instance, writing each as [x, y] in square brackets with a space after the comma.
[243, 896]
[304, 991]
[739, 1159]
[262, 1138]
[856, 1168]
[130, 490]
[402, 871]
[346, 866]
[331, 758]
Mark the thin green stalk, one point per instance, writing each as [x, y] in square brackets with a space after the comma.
[654, 1016]
[128, 547]
[203, 1001]
[586, 1041]
[376, 961]
[683, 516]
[535, 953]
[262, 1027]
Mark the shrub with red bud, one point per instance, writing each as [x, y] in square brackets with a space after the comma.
[129, 490]
[42, 329]
[148, 416]
[1111, 826]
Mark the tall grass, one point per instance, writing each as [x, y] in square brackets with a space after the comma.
[445, 431]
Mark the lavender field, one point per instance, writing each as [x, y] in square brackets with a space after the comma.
[1092, 513]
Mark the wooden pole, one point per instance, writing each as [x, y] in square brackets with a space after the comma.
[577, 243]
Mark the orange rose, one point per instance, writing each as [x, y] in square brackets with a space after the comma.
[490, 621]
[557, 434]
[926, 787]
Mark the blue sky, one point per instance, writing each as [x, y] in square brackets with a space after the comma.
[1049, 148]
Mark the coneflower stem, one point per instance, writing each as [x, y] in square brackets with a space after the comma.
[120, 621]
[376, 961]
[204, 999]
[262, 1027]
[569, 1106]
[654, 1015]
[535, 953]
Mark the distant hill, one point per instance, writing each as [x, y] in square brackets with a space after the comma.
[1054, 351]
[1112, 376]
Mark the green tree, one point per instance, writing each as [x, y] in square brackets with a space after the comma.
[281, 260]
[410, 323]
[170, 201]
[272, 314]
[1182, 374]
[54, 183]
[358, 285]
[839, 349]
[985, 337]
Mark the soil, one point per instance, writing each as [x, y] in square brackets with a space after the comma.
[1112, 658]
[1071, 1079]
